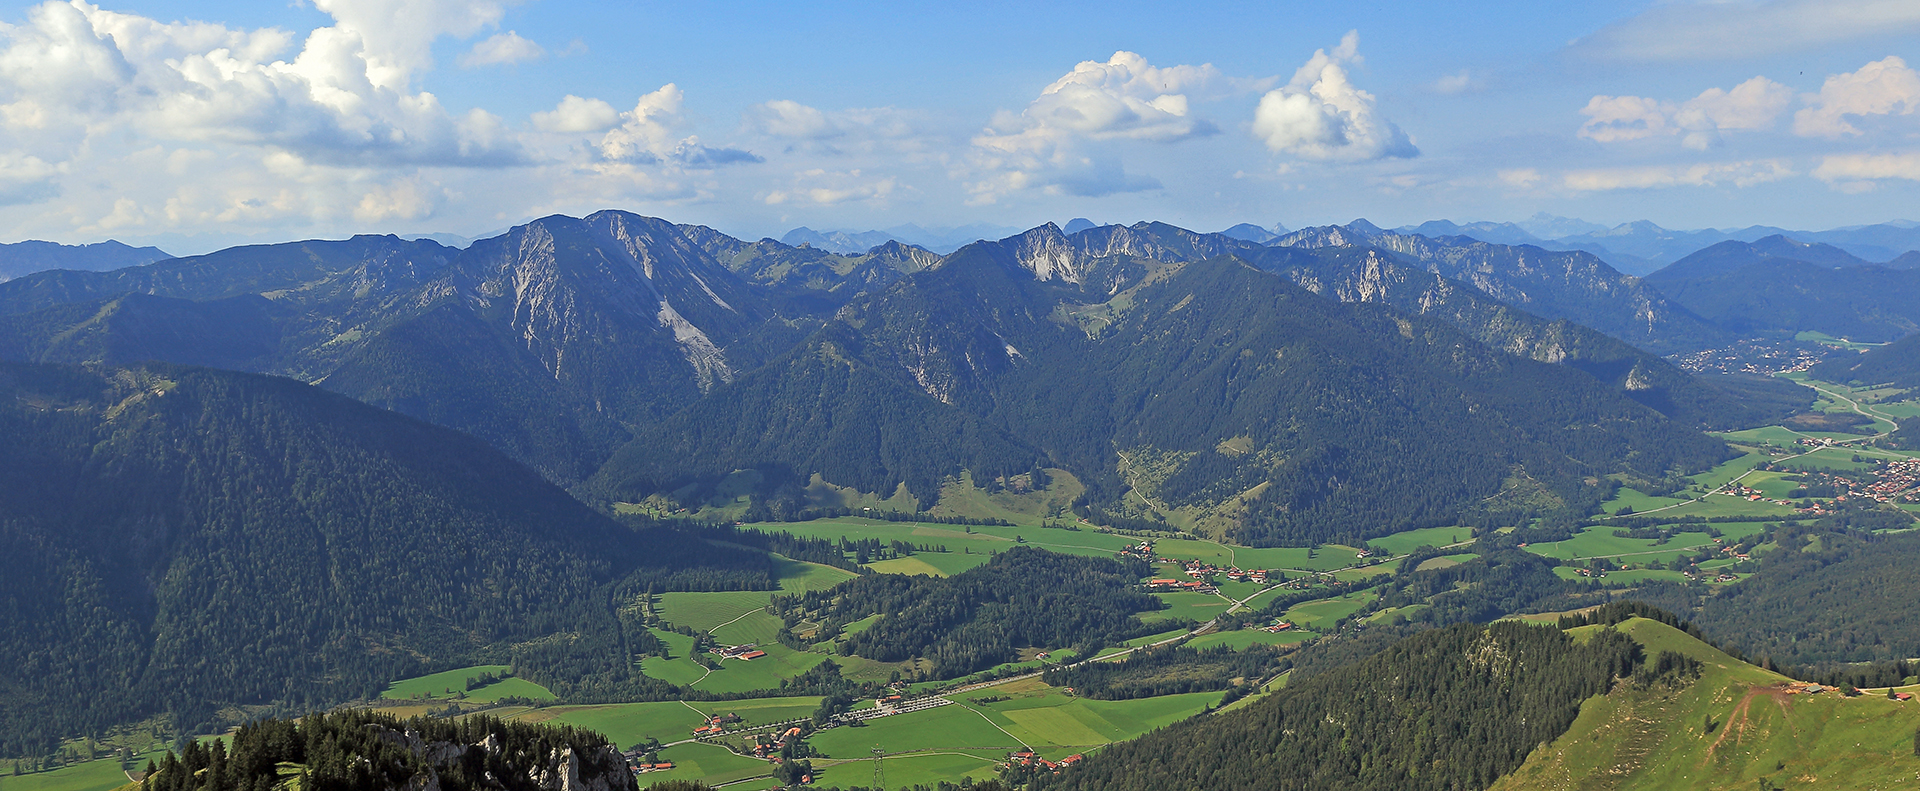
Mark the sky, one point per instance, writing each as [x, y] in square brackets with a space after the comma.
[200, 125]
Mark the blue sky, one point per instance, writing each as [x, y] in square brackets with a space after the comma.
[196, 125]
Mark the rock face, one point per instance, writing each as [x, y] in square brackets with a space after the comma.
[557, 768]
[1571, 285]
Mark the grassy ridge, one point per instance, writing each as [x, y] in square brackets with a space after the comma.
[1657, 739]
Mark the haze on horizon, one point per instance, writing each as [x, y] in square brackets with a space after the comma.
[195, 126]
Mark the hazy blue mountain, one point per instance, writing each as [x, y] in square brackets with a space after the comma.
[1495, 232]
[1079, 224]
[21, 258]
[1247, 231]
[1766, 288]
[845, 242]
[1548, 226]
[947, 240]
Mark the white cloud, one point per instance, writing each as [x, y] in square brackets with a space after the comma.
[1739, 174]
[1046, 145]
[405, 199]
[1523, 178]
[1883, 87]
[1321, 115]
[575, 114]
[344, 98]
[651, 133]
[1754, 104]
[792, 120]
[1861, 172]
[502, 49]
[1456, 83]
[825, 188]
[1725, 29]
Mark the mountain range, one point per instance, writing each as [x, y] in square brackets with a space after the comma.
[632, 357]
[22, 258]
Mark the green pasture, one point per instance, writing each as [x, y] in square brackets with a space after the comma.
[1197, 606]
[627, 724]
[1240, 639]
[98, 775]
[708, 763]
[1637, 500]
[1599, 542]
[450, 684]
[1409, 540]
[1761, 738]
[968, 549]
[1834, 459]
[705, 611]
[1824, 339]
[680, 670]
[912, 770]
[1055, 719]
[953, 727]
[1321, 615]
[743, 675]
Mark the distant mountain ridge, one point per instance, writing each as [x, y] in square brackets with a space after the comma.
[23, 258]
[1780, 286]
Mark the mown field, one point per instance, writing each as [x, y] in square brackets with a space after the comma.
[452, 684]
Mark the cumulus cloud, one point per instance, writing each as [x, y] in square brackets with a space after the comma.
[1754, 104]
[344, 98]
[575, 114]
[1862, 172]
[1046, 145]
[792, 120]
[1739, 174]
[1745, 28]
[1882, 88]
[1321, 115]
[502, 49]
[652, 133]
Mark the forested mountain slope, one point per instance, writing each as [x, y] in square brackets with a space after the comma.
[1896, 363]
[1210, 386]
[1367, 274]
[1759, 289]
[179, 539]
[1449, 709]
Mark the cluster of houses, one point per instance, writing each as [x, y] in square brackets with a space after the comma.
[1752, 494]
[1278, 626]
[748, 652]
[1590, 573]
[643, 767]
[1029, 758]
[1141, 551]
[716, 725]
[1894, 481]
[766, 745]
[1192, 586]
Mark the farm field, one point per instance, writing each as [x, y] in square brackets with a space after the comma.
[628, 724]
[1321, 615]
[1410, 540]
[449, 684]
[983, 542]
[1196, 606]
[99, 775]
[707, 763]
[1242, 638]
